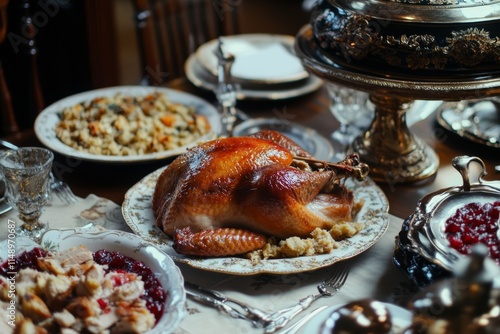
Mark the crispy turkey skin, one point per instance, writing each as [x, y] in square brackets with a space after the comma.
[251, 183]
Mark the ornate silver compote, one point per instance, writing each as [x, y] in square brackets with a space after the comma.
[400, 51]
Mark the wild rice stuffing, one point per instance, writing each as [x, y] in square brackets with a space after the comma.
[127, 125]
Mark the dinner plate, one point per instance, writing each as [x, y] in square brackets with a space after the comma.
[136, 209]
[47, 120]
[475, 120]
[128, 244]
[258, 58]
[202, 78]
[307, 138]
[401, 319]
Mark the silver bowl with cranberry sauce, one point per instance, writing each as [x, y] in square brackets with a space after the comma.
[448, 223]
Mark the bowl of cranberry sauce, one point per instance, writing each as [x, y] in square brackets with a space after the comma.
[448, 223]
[124, 252]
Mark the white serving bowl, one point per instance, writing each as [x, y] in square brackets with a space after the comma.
[127, 244]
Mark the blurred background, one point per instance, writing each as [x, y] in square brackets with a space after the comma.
[77, 45]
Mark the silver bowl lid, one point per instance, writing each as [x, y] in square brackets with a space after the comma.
[424, 11]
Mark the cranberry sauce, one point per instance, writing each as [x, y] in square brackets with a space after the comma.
[475, 223]
[26, 259]
[154, 294]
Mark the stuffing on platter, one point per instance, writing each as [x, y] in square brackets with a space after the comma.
[78, 291]
[260, 193]
[125, 125]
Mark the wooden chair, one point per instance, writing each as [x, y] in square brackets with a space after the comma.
[170, 30]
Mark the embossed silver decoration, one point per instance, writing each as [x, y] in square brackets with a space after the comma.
[367, 35]
[401, 51]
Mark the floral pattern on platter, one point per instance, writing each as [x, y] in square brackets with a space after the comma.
[139, 217]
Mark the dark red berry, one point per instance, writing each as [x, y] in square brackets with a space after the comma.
[475, 223]
[154, 294]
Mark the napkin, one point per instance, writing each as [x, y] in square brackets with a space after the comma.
[90, 210]
[257, 60]
[269, 62]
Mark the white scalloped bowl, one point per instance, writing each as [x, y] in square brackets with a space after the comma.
[130, 245]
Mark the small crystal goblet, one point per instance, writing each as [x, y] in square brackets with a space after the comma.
[27, 185]
[353, 110]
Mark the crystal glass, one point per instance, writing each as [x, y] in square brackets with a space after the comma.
[27, 185]
[353, 110]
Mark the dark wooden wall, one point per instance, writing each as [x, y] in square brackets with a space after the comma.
[67, 44]
[273, 16]
[73, 45]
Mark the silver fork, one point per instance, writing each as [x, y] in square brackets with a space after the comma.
[62, 190]
[332, 284]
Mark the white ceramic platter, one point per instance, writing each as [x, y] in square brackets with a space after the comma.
[401, 319]
[258, 58]
[47, 120]
[202, 78]
[138, 214]
[127, 244]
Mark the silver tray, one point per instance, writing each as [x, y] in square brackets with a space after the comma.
[421, 250]
[426, 224]
[474, 120]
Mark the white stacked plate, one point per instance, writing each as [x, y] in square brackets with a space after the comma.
[265, 67]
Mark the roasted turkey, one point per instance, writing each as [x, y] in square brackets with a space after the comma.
[226, 196]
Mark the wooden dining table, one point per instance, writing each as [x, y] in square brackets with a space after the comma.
[112, 181]
[372, 274]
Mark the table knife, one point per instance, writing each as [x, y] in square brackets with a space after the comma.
[260, 318]
[216, 303]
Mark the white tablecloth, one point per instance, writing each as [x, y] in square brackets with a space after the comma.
[373, 275]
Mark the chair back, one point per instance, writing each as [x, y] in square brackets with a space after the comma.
[170, 30]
